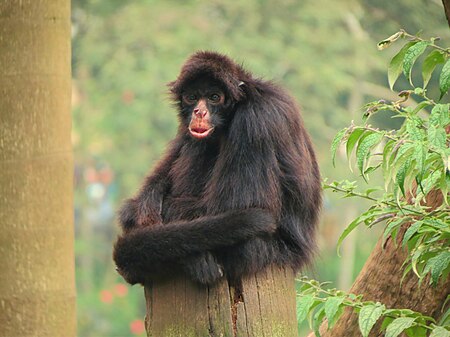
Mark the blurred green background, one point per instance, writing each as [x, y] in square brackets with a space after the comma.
[124, 53]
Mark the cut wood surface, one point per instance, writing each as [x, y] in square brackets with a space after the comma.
[262, 306]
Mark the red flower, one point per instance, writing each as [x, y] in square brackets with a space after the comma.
[106, 296]
[121, 290]
[137, 327]
[127, 96]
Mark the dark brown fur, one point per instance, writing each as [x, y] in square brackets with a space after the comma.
[244, 198]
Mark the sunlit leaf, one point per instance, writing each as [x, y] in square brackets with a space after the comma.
[420, 155]
[318, 318]
[363, 218]
[364, 146]
[335, 143]
[411, 56]
[444, 79]
[368, 316]
[331, 308]
[352, 141]
[304, 304]
[429, 64]
[411, 231]
[437, 265]
[421, 106]
[395, 66]
[437, 136]
[440, 332]
[413, 130]
[398, 326]
[440, 115]
[401, 175]
[391, 226]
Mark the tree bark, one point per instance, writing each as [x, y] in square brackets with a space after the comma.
[446, 4]
[37, 283]
[263, 305]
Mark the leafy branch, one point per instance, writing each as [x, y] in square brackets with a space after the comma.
[317, 302]
[415, 164]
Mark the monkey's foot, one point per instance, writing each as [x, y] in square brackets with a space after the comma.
[204, 269]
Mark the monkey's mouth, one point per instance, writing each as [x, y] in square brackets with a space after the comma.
[200, 132]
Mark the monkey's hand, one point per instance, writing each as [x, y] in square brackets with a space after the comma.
[137, 213]
[127, 261]
[203, 269]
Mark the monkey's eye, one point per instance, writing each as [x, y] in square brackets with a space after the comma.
[190, 98]
[215, 98]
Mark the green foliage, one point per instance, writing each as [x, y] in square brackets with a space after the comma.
[414, 162]
[316, 302]
[368, 316]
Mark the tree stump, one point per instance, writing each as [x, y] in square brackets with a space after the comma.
[262, 305]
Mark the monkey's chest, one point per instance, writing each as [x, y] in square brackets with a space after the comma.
[189, 177]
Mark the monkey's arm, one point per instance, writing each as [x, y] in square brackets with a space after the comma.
[142, 253]
[145, 208]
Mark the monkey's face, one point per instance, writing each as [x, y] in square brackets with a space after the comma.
[204, 108]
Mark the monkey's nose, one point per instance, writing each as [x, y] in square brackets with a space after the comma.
[200, 113]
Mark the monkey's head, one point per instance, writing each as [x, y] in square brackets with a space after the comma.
[206, 91]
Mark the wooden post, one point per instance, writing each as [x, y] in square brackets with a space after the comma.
[263, 305]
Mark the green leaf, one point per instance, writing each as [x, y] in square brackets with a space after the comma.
[368, 316]
[364, 146]
[403, 153]
[402, 174]
[335, 143]
[437, 265]
[440, 115]
[387, 154]
[366, 216]
[386, 322]
[401, 165]
[444, 79]
[411, 56]
[391, 226]
[347, 231]
[413, 130]
[395, 66]
[440, 332]
[420, 106]
[331, 308]
[416, 331]
[398, 326]
[420, 156]
[304, 304]
[437, 136]
[318, 318]
[431, 61]
[352, 140]
[411, 231]
[431, 182]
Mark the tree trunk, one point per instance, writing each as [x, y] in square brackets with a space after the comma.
[263, 305]
[446, 4]
[37, 284]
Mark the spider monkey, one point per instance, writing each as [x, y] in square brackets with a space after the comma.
[237, 190]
